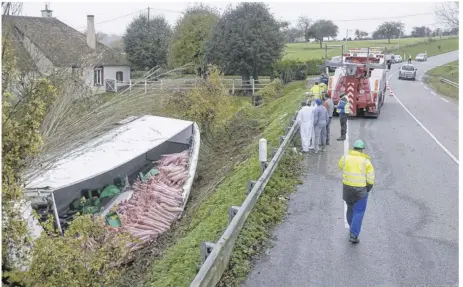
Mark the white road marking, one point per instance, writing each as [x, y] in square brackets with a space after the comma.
[444, 100]
[346, 151]
[346, 225]
[425, 129]
[426, 88]
[429, 133]
[434, 93]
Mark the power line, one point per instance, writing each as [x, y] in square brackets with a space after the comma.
[172, 11]
[123, 16]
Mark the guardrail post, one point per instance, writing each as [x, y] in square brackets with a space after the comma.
[263, 154]
[232, 211]
[145, 86]
[233, 87]
[281, 140]
[130, 84]
[206, 249]
[161, 84]
[251, 184]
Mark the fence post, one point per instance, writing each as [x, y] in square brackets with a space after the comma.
[115, 86]
[145, 86]
[263, 154]
[233, 86]
[161, 84]
[130, 84]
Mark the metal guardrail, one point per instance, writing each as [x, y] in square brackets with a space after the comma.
[216, 261]
[443, 80]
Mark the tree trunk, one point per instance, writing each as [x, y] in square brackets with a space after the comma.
[245, 79]
[321, 43]
[389, 40]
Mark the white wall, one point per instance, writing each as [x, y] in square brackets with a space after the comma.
[109, 73]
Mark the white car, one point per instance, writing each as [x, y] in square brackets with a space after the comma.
[398, 58]
[421, 57]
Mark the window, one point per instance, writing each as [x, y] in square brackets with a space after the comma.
[408, 68]
[119, 76]
[98, 76]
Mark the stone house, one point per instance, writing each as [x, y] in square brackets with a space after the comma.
[45, 45]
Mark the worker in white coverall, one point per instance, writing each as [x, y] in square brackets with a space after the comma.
[305, 119]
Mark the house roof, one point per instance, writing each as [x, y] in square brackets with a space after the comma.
[61, 44]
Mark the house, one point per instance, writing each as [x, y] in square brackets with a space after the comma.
[46, 45]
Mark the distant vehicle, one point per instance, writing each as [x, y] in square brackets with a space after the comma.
[421, 57]
[336, 59]
[407, 72]
[398, 59]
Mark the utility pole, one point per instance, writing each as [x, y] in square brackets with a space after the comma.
[148, 14]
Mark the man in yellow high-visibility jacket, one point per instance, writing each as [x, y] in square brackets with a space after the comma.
[358, 179]
[316, 91]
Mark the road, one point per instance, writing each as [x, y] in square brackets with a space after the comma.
[410, 231]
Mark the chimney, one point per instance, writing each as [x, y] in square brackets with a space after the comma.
[47, 13]
[91, 38]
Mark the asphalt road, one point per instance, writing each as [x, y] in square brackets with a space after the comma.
[410, 231]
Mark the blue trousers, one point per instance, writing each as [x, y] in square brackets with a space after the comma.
[354, 214]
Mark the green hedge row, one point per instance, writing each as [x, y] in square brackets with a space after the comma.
[295, 70]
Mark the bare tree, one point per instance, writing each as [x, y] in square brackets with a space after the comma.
[448, 12]
[303, 24]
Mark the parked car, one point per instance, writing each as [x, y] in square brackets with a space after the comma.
[398, 59]
[421, 57]
[407, 72]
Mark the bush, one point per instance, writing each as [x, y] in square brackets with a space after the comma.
[296, 70]
[273, 90]
[207, 104]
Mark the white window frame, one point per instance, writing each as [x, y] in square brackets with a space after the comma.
[99, 77]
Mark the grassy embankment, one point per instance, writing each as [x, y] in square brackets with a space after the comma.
[181, 260]
[449, 72]
[303, 51]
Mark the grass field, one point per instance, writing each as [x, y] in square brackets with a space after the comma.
[207, 216]
[449, 72]
[304, 51]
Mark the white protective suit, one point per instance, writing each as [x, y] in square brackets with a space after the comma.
[305, 118]
[312, 132]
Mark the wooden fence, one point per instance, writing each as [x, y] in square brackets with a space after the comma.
[181, 85]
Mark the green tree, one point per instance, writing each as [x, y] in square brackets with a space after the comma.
[246, 40]
[322, 29]
[359, 34]
[190, 35]
[389, 29]
[146, 41]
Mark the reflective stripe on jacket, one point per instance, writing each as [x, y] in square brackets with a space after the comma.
[357, 169]
[342, 108]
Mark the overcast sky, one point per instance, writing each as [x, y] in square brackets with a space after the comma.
[74, 14]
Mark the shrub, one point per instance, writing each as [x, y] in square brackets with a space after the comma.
[273, 90]
[296, 70]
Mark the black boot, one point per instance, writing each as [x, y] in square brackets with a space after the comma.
[354, 239]
[342, 138]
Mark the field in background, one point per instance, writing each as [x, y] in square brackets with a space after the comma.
[432, 48]
[304, 51]
[449, 72]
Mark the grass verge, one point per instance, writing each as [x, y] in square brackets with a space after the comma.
[432, 47]
[181, 260]
[449, 72]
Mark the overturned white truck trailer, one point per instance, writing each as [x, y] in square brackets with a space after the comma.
[125, 151]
